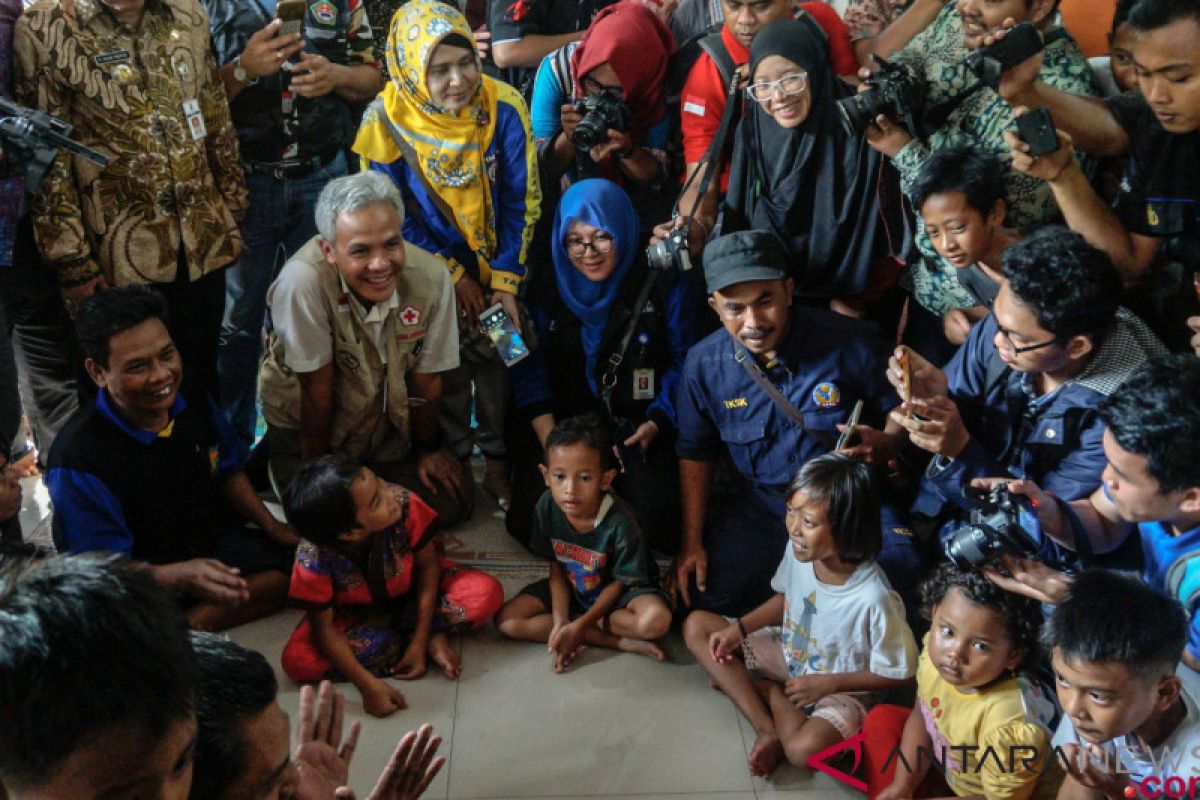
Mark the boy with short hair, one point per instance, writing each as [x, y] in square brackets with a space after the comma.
[960, 194]
[97, 677]
[1115, 645]
[600, 570]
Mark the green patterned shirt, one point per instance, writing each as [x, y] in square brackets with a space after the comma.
[938, 54]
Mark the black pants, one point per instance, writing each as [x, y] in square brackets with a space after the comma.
[652, 488]
[196, 309]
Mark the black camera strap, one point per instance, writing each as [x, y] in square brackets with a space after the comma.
[608, 380]
[744, 358]
[712, 159]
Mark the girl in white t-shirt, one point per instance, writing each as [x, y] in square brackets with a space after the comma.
[831, 639]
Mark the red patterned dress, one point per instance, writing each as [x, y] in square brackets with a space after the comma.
[369, 594]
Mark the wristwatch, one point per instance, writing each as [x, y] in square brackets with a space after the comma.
[239, 73]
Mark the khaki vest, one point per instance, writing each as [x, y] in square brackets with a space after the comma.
[365, 390]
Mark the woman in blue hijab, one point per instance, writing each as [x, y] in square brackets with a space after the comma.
[582, 312]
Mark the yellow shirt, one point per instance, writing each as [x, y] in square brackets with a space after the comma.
[995, 742]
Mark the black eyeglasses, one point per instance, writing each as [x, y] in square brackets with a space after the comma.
[602, 243]
[592, 86]
[1007, 336]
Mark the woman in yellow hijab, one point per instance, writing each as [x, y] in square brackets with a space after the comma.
[459, 146]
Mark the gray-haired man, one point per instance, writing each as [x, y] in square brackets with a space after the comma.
[361, 326]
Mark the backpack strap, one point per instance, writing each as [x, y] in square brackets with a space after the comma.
[715, 47]
[561, 66]
[813, 26]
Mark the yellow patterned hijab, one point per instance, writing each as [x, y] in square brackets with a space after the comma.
[449, 146]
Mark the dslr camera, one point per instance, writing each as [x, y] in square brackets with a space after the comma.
[895, 91]
[32, 140]
[1004, 523]
[600, 112]
[671, 254]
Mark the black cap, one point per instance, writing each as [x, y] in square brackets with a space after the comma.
[744, 256]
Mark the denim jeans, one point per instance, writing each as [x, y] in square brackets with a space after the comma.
[279, 218]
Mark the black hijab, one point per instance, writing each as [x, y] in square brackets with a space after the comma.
[816, 186]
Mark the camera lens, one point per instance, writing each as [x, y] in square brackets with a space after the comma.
[969, 547]
[859, 110]
[587, 134]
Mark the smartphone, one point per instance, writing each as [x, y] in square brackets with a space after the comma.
[1036, 128]
[989, 63]
[503, 333]
[906, 377]
[844, 438]
[292, 13]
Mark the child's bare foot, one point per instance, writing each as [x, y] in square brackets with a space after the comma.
[442, 653]
[765, 755]
[641, 647]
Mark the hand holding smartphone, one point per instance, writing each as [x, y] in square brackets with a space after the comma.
[500, 329]
[292, 13]
[906, 369]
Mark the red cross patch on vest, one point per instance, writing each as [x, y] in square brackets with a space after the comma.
[410, 316]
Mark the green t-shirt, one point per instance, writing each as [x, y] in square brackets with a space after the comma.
[614, 550]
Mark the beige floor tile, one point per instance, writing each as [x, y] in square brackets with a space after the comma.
[617, 724]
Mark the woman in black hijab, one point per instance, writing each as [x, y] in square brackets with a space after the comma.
[796, 171]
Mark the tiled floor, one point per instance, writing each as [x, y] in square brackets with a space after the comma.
[616, 725]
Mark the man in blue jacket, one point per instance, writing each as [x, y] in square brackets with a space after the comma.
[1022, 395]
[820, 363]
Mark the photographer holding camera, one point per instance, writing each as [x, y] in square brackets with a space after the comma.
[1151, 441]
[1021, 396]
[958, 109]
[599, 104]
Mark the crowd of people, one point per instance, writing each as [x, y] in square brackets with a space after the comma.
[881, 329]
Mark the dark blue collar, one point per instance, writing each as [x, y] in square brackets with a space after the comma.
[105, 406]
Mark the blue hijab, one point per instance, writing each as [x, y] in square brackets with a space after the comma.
[603, 205]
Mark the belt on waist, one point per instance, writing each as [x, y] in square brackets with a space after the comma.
[297, 168]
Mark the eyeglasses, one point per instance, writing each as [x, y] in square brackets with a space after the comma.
[786, 86]
[592, 86]
[1007, 336]
[602, 243]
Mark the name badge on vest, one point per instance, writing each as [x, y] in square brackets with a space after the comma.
[195, 120]
[344, 304]
[113, 57]
[643, 384]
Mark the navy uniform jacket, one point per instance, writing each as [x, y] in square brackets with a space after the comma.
[824, 365]
[1062, 432]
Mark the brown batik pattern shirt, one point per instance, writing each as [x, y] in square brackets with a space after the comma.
[124, 90]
